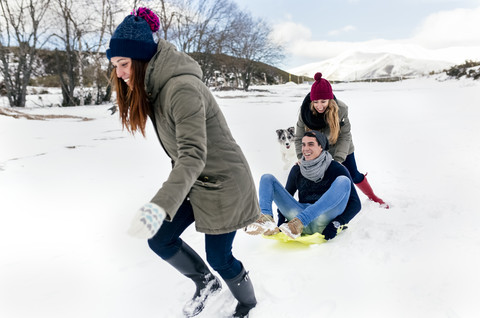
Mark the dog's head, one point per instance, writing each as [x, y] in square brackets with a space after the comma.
[285, 136]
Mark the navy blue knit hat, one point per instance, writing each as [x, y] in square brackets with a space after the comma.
[133, 38]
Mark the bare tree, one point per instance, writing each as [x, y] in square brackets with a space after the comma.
[198, 23]
[166, 14]
[78, 35]
[20, 26]
[66, 64]
[209, 30]
[250, 42]
[102, 27]
[104, 11]
[199, 28]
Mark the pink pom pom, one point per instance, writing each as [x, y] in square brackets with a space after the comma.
[318, 76]
[150, 17]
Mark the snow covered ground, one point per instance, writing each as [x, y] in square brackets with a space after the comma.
[69, 188]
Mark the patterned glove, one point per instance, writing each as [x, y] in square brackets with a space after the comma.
[147, 221]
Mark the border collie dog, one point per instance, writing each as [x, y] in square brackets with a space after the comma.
[287, 146]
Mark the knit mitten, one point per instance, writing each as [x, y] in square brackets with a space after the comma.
[293, 228]
[263, 223]
[147, 221]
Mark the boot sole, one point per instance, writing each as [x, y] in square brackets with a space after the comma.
[285, 229]
[197, 309]
[259, 228]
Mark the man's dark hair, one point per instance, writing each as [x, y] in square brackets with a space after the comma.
[319, 136]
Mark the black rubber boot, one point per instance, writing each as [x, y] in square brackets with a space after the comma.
[242, 289]
[190, 264]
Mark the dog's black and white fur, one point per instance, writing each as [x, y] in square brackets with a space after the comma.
[287, 146]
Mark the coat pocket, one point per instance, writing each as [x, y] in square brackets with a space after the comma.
[207, 185]
[211, 204]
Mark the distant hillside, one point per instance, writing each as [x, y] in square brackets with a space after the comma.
[284, 75]
[357, 66]
[221, 67]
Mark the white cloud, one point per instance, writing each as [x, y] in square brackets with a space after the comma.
[325, 49]
[297, 40]
[345, 29]
[446, 35]
[289, 32]
[458, 27]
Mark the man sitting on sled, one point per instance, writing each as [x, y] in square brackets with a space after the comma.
[327, 196]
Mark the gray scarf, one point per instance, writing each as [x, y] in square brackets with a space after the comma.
[314, 170]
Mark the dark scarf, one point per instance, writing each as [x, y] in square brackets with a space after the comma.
[315, 122]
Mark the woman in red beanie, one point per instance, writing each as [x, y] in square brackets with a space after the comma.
[321, 111]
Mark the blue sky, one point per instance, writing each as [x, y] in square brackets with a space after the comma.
[314, 30]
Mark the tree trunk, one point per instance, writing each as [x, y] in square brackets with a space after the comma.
[81, 86]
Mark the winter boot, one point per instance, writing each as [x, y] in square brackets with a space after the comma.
[274, 231]
[261, 225]
[190, 264]
[242, 289]
[293, 228]
[365, 187]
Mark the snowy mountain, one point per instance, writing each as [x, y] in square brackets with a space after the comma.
[358, 65]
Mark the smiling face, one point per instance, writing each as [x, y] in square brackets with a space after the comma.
[320, 105]
[123, 67]
[310, 148]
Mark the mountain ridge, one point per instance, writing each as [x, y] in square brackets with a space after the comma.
[363, 65]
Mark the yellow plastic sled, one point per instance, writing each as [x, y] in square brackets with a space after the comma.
[315, 238]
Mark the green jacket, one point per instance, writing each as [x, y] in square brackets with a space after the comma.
[344, 145]
[208, 166]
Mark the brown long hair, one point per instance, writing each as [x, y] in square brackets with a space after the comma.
[133, 105]
[331, 117]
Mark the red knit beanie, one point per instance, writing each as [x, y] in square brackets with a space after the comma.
[321, 89]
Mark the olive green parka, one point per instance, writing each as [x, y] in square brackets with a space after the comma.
[209, 168]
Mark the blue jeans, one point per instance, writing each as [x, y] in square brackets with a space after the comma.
[351, 166]
[315, 217]
[218, 247]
